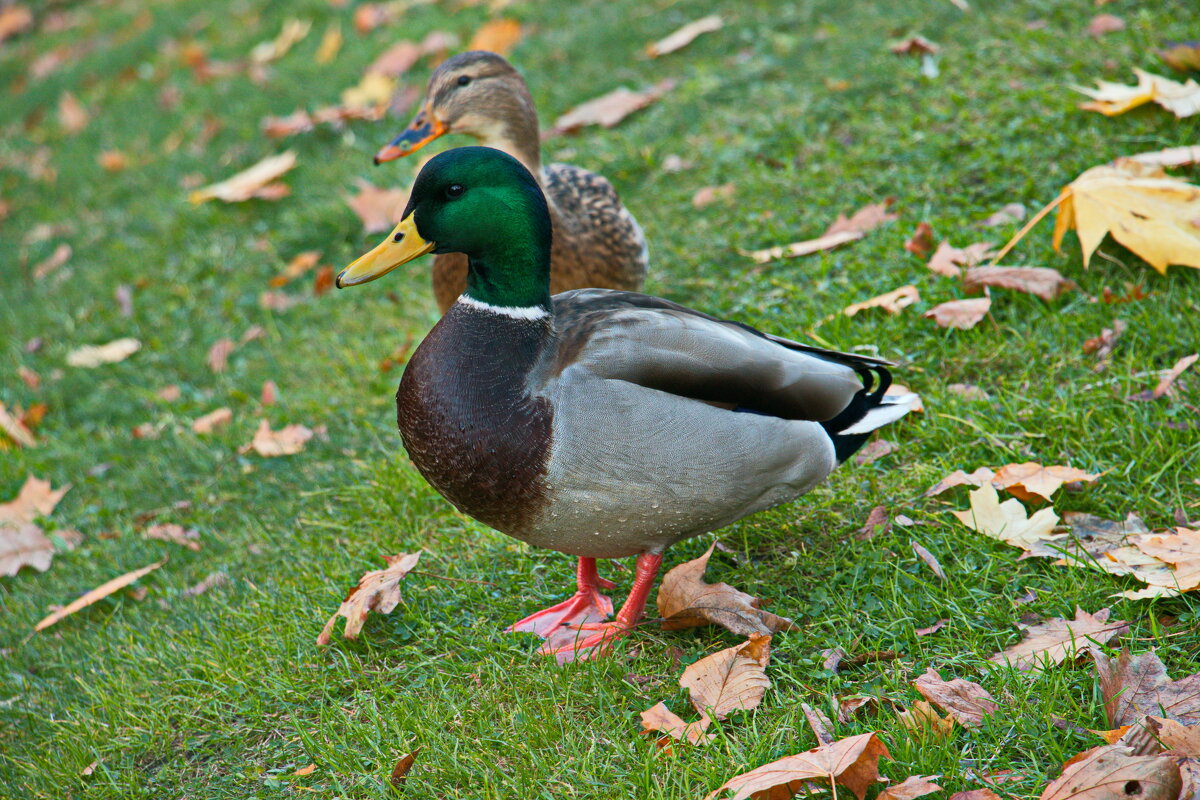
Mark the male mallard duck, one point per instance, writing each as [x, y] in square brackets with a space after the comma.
[595, 422]
[596, 241]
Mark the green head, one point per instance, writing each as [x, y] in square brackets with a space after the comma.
[481, 202]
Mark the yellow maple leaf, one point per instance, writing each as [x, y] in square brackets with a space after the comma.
[1110, 99]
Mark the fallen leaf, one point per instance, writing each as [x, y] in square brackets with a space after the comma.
[123, 294]
[1168, 379]
[1102, 346]
[373, 91]
[1030, 479]
[497, 35]
[170, 393]
[110, 353]
[1182, 56]
[875, 450]
[218, 355]
[71, 114]
[15, 429]
[976, 794]
[1137, 686]
[1180, 549]
[959, 478]
[1169, 157]
[892, 302]
[968, 391]
[866, 219]
[932, 629]
[278, 301]
[911, 787]
[1111, 771]
[685, 600]
[299, 265]
[378, 209]
[23, 544]
[961, 314]
[967, 702]
[921, 242]
[269, 393]
[331, 43]
[684, 36]
[1007, 521]
[609, 109]
[176, 534]
[1104, 23]
[922, 720]
[852, 762]
[661, 719]
[305, 770]
[707, 195]
[35, 498]
[323, 280]
[929, 559]
[1177, 737]
[90, 768]
[369, 16]
[55, 260]
[213, 580]
[14, 19]
[877, 522]
[377, 591]
[914, 45]
[733, 679]
[947, 260]
[400, 771]
[286, 441]
[99, 593]
[256, 181]
[298, 121]
[1008, 214]
[1057, 640]
[807, 247]
[1110, 99]
[819, 723]
[1044, 282]
[293, 31]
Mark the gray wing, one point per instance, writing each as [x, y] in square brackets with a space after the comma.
[661, 345]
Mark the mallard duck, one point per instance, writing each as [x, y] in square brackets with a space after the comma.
[596, 422]
[597, 242]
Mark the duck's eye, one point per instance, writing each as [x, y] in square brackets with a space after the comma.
[463, 80]
[454, 190]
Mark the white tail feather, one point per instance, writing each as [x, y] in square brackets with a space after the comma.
[891, 409]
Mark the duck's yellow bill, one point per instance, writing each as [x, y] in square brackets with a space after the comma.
[402, 245]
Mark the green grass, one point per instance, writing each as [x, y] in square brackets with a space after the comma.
[226, 695]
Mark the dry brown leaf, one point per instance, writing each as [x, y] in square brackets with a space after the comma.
[1104, 23]
[959, 478]
[892, 302]
[14, 19]
[377, 591]
[929, 559]
[914, 45]
[685, 600]
[976, 794]
[1137, 686]
[35, 498]
[29, 377]
[877, 522]
[1110, 99]
[1030, 479]
[211, 581]
[961, 314]
[1167, 380]
[922, 720]
[378, 209]
[807, 247]
[819, 722]
[852, 762]
[212, 420]
[932, 629]
[1102, 346]
[1044, 282]
[299, 265]
[331, 44]
[1007, 521]
[609, 109]
[1111, 771]
[293, 31]
[1182, 56]
[875, 450]
[921, 242]
[370, 16]
[299, 121]
[71, 114]
[947, 260]
[16, 429]
[497, 35]
[1169, 157]
[170, 393]
[866, 219]
[964, 700]
[1180, 549]
[60, 256]
[218, 355]
[323, 280]
[286, 441]
[684, 36]
[23, 544]
[733, 679]
[1177, 737]
[176, 534]
[269, 393]
[968, 391]
[707, 195]
[400, 771]
[661, 719]
[911, 787]
[1009, 213]
[1056, 640]
[99, 593]
[278, 301]
[305, 770]
[256, 181]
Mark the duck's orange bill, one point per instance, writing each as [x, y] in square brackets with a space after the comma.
[423, 130]
[402, 245]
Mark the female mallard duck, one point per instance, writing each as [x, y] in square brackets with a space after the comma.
[596, 241]
[595, 422]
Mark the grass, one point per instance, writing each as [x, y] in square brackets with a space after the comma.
[225, 694]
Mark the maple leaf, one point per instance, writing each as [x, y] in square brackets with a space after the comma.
[959, 478]
[1181, 548]
[804, 248]
[922, 720]
[286, 441]
[1110, 99]
[910, 788]
[685, 600]
[1030, 479]
[378, 209]
[961, 314]
[661, 719]
[947, 260]
[867, 218]
[377, 591]
[255, 181]
[892, 302]
[91, 356]
[99, 593]
[1044, 282]
[497, 35]
[1007, 521]
[852, 762]
[1058, 639]
[36, 497]
[967, 702]
[609, 109]
[684, 36]
[1110, 770]
[23, 544]
[733, 679]
[1136, 686]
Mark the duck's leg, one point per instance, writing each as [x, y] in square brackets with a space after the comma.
[594, 639]
[585, 606]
